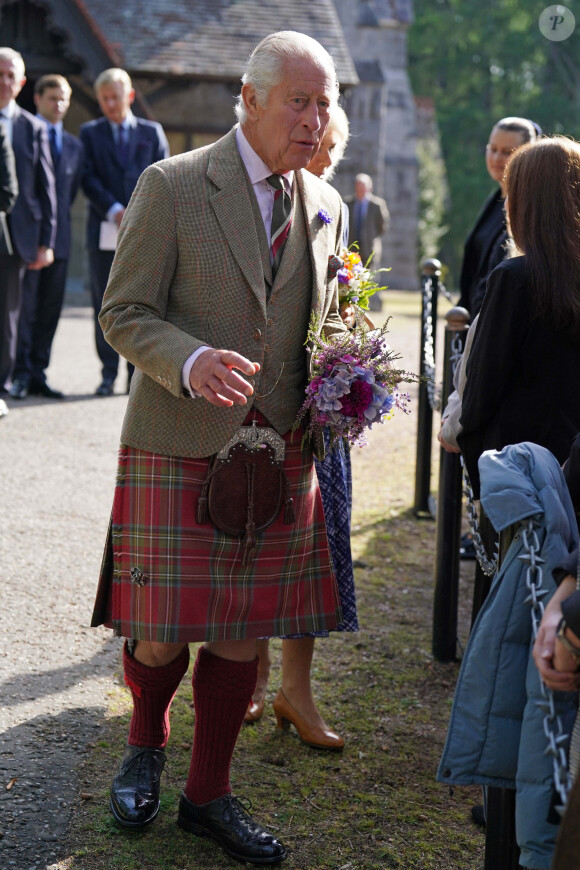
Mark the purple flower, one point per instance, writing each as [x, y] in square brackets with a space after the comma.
[324, 216]
[342, 275]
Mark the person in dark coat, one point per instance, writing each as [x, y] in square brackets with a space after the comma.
[32, 222]
[118, 147]
[486, 244]
[44, 290]
[8, 195]
[523, 373]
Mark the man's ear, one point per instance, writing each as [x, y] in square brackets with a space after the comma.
[250, 101]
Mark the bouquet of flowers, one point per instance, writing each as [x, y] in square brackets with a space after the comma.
[353, 384]
[356, 282]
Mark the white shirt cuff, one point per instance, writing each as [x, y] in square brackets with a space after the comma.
[115, 209]
[186, 370]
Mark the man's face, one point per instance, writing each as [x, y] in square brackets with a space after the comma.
[11, 81]
[53, 103]
[115, 101]
[286, 133]
[360, 189]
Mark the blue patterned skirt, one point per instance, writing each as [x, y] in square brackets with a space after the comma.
[335, 482]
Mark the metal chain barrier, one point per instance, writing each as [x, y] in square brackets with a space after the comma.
[487, 565]
[552, 722]
[428, 354]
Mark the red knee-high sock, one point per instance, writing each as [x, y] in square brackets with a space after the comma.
[222, 690]
[153, 690]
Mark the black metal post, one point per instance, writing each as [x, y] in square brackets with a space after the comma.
[449, 508]
[501, 848]
[429, 289]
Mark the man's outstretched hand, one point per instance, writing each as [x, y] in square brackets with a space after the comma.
[213, 377]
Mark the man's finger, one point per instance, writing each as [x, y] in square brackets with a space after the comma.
[222, 389]
[231, 359]
[214, 398]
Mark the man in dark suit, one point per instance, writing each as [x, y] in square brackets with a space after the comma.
[368, 219]
[44, 290]
[118, 147]
[8, 195]
[32, 222]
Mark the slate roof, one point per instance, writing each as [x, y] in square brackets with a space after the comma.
[211, 38]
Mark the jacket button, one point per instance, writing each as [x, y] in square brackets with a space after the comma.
[446, 772]
[257, 334]
[267, 348]
[270, 321]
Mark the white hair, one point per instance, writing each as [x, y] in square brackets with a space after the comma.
[339, 124]
[365, 179]
[12, 56]
[265, 67]
[112, 76]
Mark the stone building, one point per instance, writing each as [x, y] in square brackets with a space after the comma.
[186, 58]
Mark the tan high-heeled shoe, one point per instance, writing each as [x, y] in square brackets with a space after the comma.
[254, 712]
[313, 735]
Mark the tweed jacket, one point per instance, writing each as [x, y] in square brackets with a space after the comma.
[191, 269]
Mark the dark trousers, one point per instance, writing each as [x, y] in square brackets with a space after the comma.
[42, 299]
[100, 263]
[12, 270]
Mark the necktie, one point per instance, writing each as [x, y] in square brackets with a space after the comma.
[281, 220]
[54, 149]
[122, 144]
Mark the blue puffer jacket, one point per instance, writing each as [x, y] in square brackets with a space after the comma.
[496, 735]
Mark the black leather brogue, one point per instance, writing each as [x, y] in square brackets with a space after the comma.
[135, 789]
[227, 822]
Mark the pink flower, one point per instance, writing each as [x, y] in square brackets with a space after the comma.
[358, 400]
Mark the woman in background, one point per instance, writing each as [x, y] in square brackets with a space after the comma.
[485, 245]
[523, 373]
[295, 703]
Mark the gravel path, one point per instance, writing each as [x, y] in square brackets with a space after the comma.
[59, 468]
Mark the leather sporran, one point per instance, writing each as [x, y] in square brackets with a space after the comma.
[246, 486]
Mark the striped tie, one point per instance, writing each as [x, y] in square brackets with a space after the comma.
[281, 220]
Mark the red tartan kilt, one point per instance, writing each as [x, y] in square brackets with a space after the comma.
[167, 578]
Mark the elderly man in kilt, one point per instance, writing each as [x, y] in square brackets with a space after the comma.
[223, 256]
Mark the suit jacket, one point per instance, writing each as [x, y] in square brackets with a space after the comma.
[8, 188]
[194, 228]
[374, 225]
[105, 180]
[32, 221]
[68, 175]
[8, 179]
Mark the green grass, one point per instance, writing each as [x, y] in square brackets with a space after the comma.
[376, 805]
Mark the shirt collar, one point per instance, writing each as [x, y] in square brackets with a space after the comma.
[126, 124]
[49, 124]
[255, 166]
[9, 110]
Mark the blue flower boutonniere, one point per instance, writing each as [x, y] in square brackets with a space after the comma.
[324, 216]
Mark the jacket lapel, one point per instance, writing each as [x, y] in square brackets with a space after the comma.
[319, 243]
[233, 205]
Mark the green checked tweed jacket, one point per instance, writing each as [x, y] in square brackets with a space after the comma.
[192, 267]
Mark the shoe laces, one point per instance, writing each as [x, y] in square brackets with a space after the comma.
[242, 807]
[140, 757]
